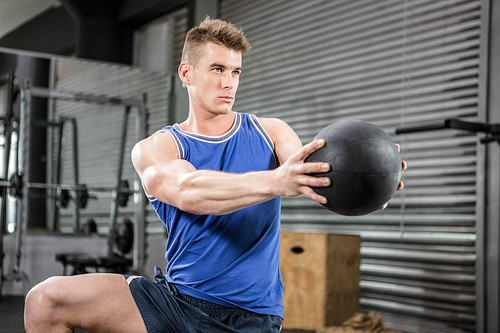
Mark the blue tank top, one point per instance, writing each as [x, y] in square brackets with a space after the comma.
[231, 259]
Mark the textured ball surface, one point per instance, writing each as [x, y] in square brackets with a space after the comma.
[365, 167]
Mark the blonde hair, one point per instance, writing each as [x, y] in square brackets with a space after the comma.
[212, 31]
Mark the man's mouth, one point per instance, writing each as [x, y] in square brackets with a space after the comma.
[226, 98]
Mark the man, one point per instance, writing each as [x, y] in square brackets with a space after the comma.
[215, 180]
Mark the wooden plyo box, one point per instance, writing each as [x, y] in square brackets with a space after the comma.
[321, 279]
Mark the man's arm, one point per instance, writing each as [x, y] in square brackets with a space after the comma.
[179, 183]
[287, 143]
[291, 156]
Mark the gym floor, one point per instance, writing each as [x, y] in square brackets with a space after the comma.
[11, 314]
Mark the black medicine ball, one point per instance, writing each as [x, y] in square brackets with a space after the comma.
[365, 167]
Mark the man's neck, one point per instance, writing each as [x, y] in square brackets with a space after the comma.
[209, 124]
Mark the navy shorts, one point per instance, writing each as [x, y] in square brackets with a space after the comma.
[165, 310]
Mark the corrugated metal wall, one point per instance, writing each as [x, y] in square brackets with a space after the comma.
[393, 63]
[100, 127]
[180, 18]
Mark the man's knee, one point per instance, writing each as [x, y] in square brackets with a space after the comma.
[41, 303]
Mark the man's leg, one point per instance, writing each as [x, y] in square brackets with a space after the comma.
[92, 302]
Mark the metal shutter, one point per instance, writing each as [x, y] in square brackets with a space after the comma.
[393, 63]
[99, 127]
[180, 27]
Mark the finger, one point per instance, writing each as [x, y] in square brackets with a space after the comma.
[308, 149]
[312, 181]
[308, 192]
[384, 206]
[314, 167]
[399, 147]
[401, 185]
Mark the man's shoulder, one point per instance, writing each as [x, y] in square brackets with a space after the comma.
[274, 127]
[273, 124]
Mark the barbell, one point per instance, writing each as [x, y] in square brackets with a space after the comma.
[15, 188]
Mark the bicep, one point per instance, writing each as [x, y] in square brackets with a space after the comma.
[162, 180]
[157, 163]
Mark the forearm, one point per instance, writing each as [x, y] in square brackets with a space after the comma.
[206, 191]
[217, 193]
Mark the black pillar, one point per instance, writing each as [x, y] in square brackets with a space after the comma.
[37, 70]
[99, 36]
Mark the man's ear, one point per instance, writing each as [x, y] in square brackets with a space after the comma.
[184, 72]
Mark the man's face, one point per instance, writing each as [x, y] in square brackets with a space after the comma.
[214, 80]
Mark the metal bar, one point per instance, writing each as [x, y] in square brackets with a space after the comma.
[56, 205]
[76, 174]
[467, 125]
[45, 124]
[69, 187]
[449, 123]
[6, 158]
[427, 127]
[495, 128]
[77, 187]
[139, 256]
[5, 183]
[50, 93]
[23, 204]
[114, 202]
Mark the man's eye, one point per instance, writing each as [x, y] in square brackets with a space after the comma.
[218, 70]
[236, 73]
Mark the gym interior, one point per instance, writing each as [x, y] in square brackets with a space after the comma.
[81, 81]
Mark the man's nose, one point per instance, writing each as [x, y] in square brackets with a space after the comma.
[228, 81]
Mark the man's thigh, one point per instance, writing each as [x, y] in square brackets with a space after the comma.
[97, 302]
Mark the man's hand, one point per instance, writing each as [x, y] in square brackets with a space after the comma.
[401, 185]
[294, 176]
